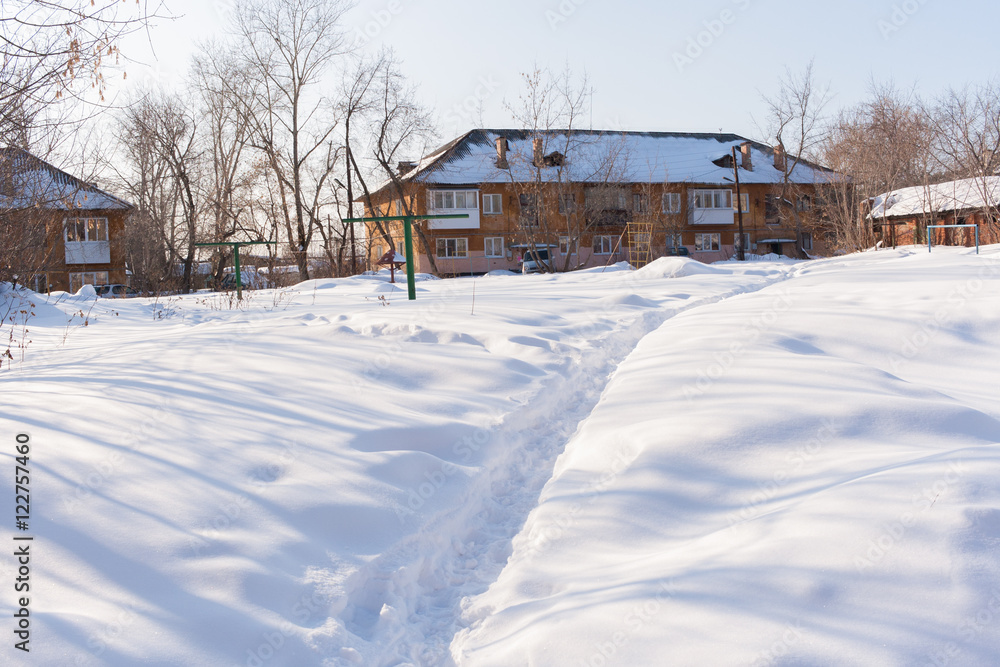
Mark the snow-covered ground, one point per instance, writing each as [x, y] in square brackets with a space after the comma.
[787, 463]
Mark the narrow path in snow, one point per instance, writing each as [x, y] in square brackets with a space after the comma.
[405, 607]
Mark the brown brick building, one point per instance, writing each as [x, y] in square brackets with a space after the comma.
[901, 217]
[592, 198]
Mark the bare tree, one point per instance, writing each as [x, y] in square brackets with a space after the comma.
[159, 139]
[547, 179]
[796, 119]
[48, 45]
[966, 125]
[220, 82]
[882, 144]
[289, 47]
[399, 125]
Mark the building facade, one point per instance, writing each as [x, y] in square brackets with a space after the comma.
[60, 232]
[902, 217]
[589, 198]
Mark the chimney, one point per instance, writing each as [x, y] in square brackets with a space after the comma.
[405, 167]
[539, 158]
[502, 153]
[779, 157]
[745, 159]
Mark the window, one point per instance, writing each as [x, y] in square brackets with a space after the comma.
[746, 240]
[803, 203]
[706, 242]
[807, 241]
[640, 203]
[606, 199]
[379, 251]
[745, 201]
[603, 245]
[80, 230]
[401, 247]
[567, 204]
[494, 246]
[771, 211]
[529, 210]
[452, 248]
[672, 202]
[712, 199]
[674, 241]
[78, 280]
[567, 246]
[492, 204]
[454, 199]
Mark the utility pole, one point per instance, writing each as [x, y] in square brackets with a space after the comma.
[740, 254]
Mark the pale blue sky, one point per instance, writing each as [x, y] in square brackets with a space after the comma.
[644, 59]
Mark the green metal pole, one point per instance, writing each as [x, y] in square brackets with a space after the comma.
[411, 286]
[236, 262]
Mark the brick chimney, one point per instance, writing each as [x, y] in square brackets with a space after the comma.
[779, 157]
[745, 160]
[502, 146]
[405, 167]
[538, 157]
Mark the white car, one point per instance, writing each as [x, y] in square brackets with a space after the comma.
[116, 291]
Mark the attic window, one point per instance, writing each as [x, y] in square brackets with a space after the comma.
[726, 162]
[555, 159]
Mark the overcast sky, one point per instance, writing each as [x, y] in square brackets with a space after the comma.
[694, 66]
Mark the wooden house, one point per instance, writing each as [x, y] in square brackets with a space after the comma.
[60, 232]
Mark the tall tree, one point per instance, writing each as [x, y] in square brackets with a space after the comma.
[289, 47]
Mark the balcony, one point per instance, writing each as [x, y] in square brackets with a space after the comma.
[88, 252]
[711, 216]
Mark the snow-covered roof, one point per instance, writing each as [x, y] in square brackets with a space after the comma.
[965, 194]
[594, 156]
[29, 182]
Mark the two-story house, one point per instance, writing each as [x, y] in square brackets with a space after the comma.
[60, 232]
[594, 197]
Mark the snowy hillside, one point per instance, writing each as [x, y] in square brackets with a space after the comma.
[770, 463]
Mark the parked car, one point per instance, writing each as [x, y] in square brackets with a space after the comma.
[248, 280]
[680, 251]
[116, 291]
[535, 260]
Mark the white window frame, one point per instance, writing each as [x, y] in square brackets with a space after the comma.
[98, 225]
[714, 239]
[745, 198]
[567, 246]
[492, 241]
[711, 199]
[460, 250]
[746, 240]
[566, 204]
[448, 200]
[492, 204]
[640, 202]
[674, 240]
[671, 202]
[603, 245]
[807, 241]
[78, 279]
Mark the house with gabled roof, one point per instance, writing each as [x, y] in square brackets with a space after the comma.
[592, 197]
[60, 232]
[901, 217]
